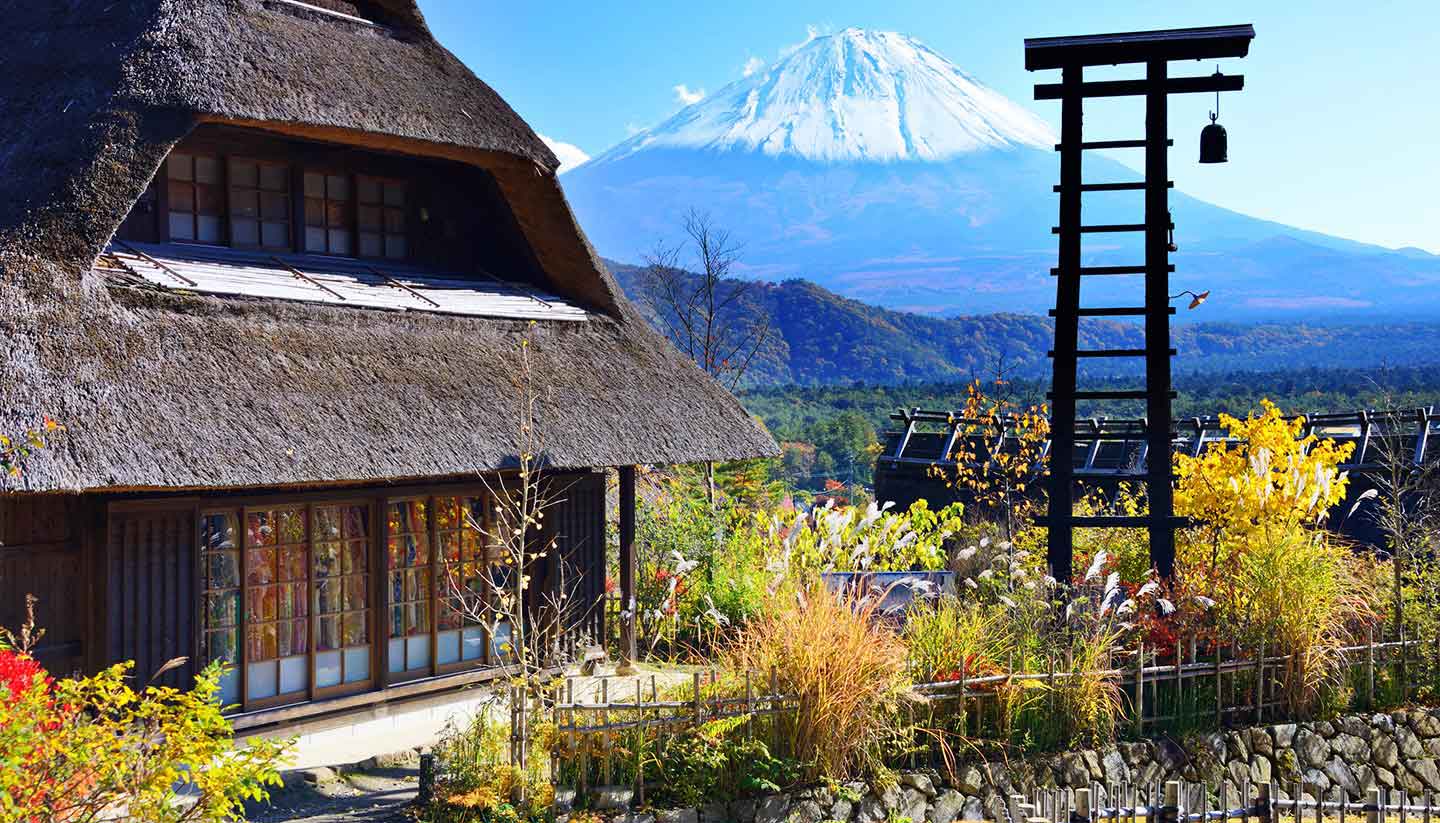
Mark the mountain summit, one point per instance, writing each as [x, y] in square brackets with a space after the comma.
[856, 95]
[870, 164]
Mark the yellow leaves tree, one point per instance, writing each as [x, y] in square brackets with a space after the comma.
[1274, 480]
[998, 455]
[1276, 578]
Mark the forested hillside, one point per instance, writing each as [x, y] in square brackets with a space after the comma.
[820, 338]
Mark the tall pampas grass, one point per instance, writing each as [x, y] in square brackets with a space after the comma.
[843, 664]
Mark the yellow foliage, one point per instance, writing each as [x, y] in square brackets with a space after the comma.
[1275, 479]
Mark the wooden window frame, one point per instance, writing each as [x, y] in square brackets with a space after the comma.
[279, 698]
[342, 688]
[404, 674]
[222, 184]
[327, 171]
[231, 186]
[462, 664]
[405, 233]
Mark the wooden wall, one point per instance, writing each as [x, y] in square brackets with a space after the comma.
[152, 594]
[578, 524]
[43, 552]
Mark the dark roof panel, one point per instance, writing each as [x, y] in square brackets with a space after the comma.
[1207, 43]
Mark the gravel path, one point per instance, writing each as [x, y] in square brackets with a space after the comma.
[376, 796]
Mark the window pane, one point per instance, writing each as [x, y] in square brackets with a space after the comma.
[334, 214]
[261, 681]
[355, 632]
[314, 185]
[328, 633]
[357, 665]
[222, 609]
[337, 187]
[291, 523]
[357, 521]
[207, 169]
[275, 177]
[274, 206]
[244, 173]
[182, 197]
[260, 567]
[314, 239]
[448, 648]
[355, 598]
[339, 241]
[327, 669]
[355, 557]
[394, 221]
[207, 229]
[395, 247]
[369, 218]
[294, 674]
[276, 235]
[370, 245]
[244, 204]
[207, 200]
[368, 190]
[181, 167]
[244, 232]
[394, 194]
[222, 569]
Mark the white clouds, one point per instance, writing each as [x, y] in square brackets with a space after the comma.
[752, 65]
[570, 154]
[688, 97]
[632, 129]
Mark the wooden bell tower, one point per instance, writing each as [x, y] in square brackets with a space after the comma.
[1154, 50]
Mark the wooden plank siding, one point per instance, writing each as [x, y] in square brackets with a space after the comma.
[152, 592]
[578, 525]
[42, 552]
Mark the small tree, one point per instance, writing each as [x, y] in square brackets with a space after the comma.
[999, 454]
[702, 307]
[496, 591]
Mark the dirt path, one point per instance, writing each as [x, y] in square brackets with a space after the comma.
[323, 796]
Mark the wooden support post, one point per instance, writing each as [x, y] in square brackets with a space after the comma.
[1081, 812]
[1260, 683]
[1369, 667]
[1265, 803]
[1061, 539]
[1140, 688]
[628, 621]
[1157, 321]
[1375, 809]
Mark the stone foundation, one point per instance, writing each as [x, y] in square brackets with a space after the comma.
[1351, 754]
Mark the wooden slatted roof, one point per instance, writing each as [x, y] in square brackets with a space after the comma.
[1207, 43]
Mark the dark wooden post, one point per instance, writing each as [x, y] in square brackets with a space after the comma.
[627, 568]
[1061, 547]
[1157, 320]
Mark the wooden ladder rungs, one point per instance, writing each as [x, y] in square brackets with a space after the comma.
[1120, 394]
[1102, 228]
[1114, 311]
[1113, 144]
[1140, 186]
[1111, 352]
[1086, 271]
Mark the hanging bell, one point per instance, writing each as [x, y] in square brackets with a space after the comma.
[1214, 145]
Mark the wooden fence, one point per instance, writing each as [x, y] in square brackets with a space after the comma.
[1217, 688]
[1184, 802]
[606, 728]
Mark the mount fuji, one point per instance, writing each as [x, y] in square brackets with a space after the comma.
[868, 163]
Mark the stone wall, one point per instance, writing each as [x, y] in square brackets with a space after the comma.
[1351, 754]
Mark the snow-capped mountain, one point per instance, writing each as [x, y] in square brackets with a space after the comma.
[853, 96]
[869, 163]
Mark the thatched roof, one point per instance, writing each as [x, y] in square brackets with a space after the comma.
[184, 391]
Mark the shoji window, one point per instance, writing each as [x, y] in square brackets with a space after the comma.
[461, 576]
[381, 217]
[196, 200]
[328, 204]
[277, 626]
[220, 598]
[259, 204]
[407, 556]
[341, 549]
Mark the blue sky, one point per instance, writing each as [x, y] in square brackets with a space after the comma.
[1338, 129]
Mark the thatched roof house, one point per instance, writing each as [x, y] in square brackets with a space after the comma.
[255, 253]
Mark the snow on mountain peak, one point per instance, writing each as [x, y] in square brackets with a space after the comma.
[855, 95]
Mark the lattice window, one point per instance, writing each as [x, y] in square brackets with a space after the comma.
[407, 554]
[196, 200]
[328, 206]
[340, 549]
[220, 598]
[381, 217]
[259, 204]
[276, 603]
